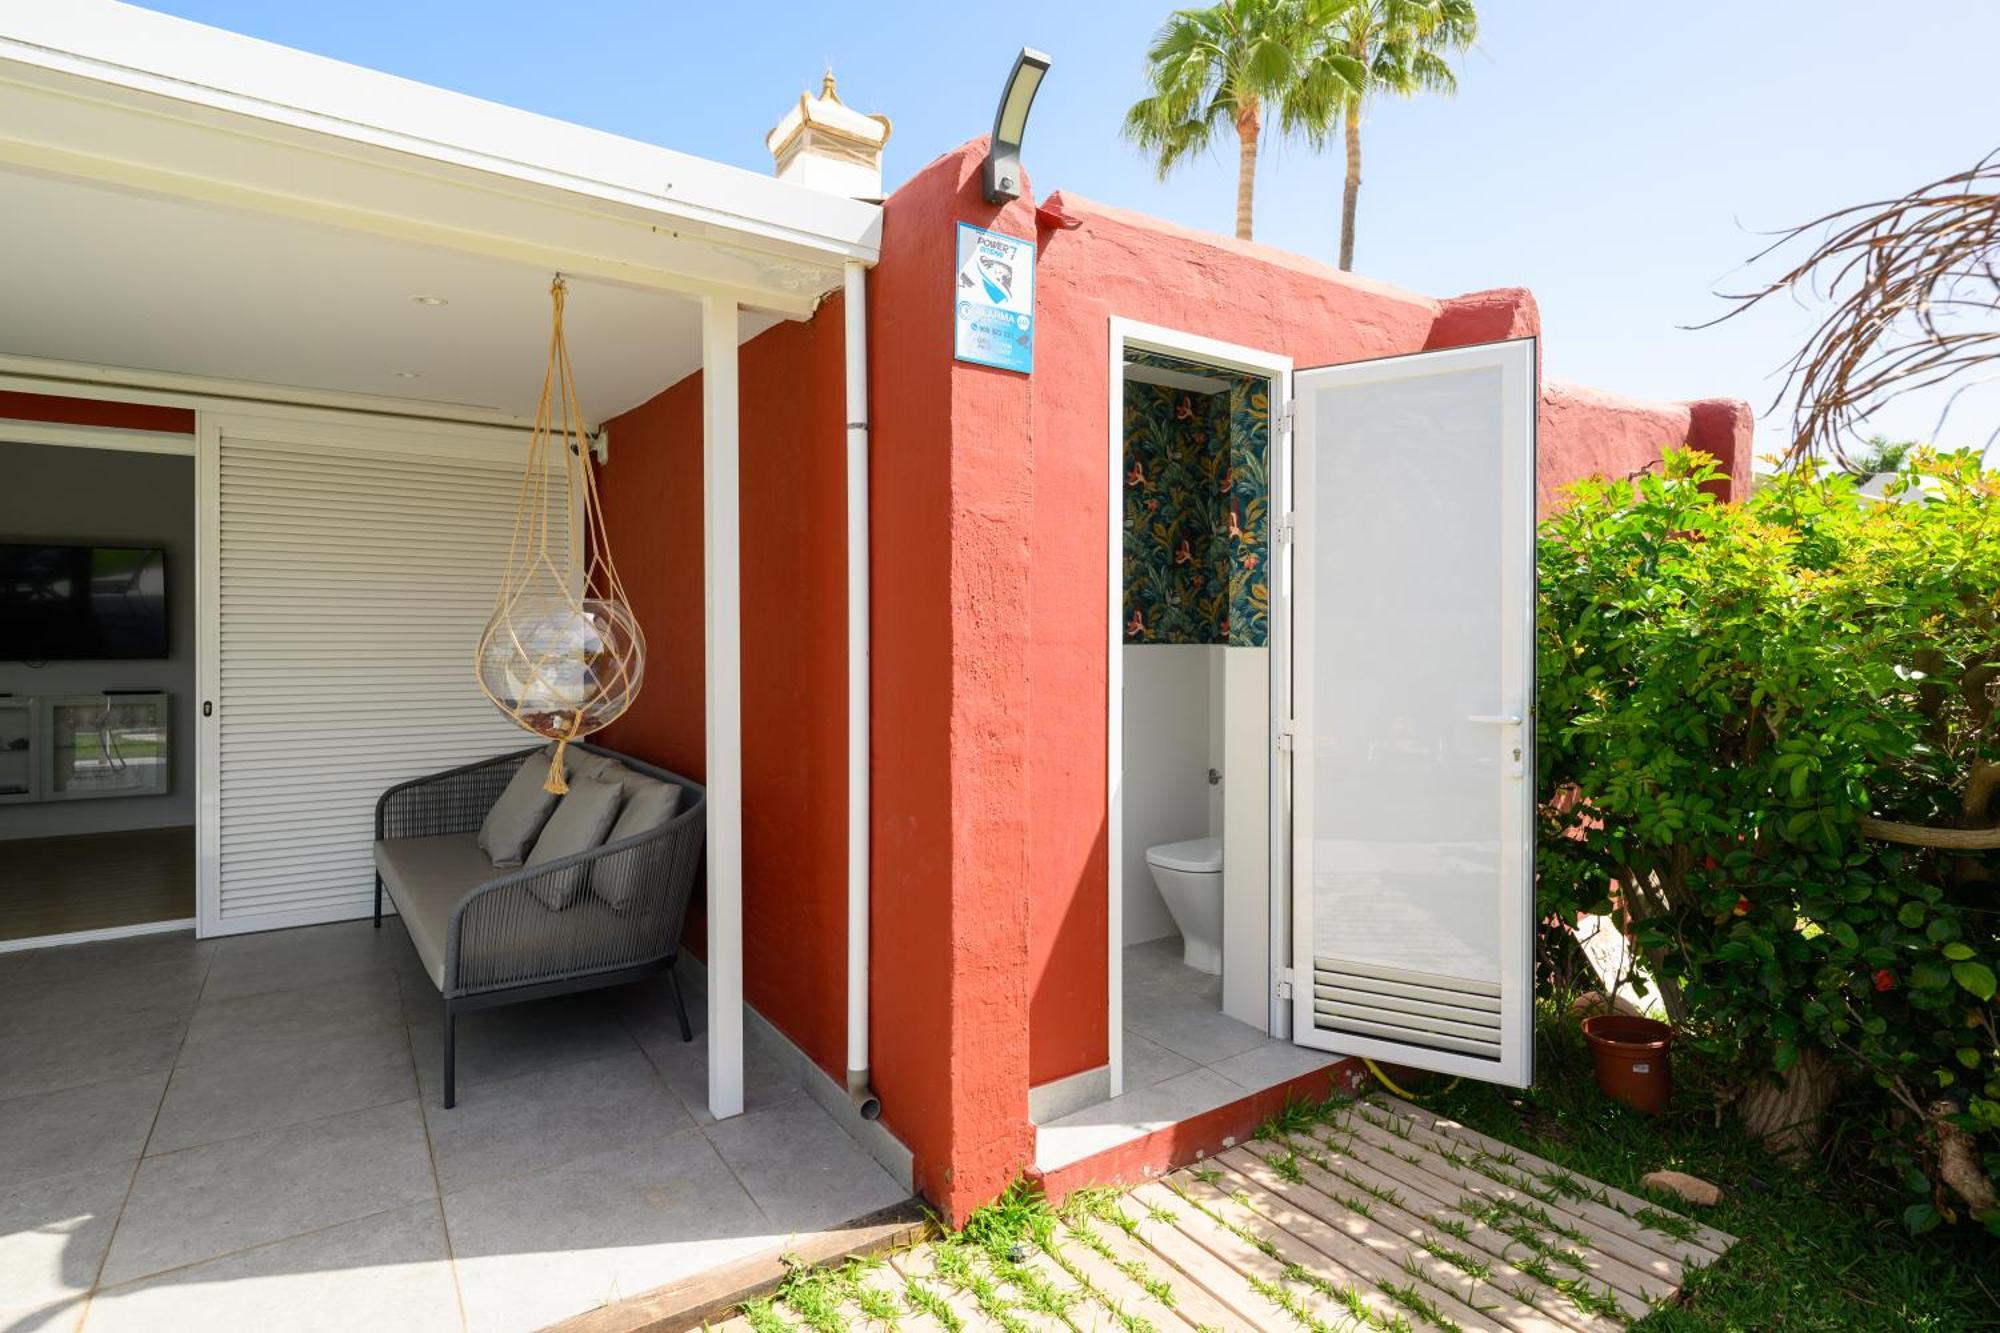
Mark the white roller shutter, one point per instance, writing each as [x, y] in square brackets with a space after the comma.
[348, 571]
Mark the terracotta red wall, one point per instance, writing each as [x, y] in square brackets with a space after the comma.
[794, 650]
[989, 496]
[93, 412]
[1123, 264]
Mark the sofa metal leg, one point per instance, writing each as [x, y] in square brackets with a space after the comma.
[450, 1056]
[680, 1005]
[378, 902]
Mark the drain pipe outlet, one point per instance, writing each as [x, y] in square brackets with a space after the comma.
[858, 704]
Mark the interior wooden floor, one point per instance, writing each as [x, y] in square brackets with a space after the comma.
[52, 886]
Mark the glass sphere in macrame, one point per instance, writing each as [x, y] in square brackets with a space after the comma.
[562, 669]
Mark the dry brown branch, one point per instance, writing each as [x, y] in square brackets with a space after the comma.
[1915, 286]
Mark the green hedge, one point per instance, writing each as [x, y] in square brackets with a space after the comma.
[1725, 691]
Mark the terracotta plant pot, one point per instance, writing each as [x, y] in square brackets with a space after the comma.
[1632, 1060]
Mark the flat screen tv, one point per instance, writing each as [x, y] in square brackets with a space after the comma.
[82, 603]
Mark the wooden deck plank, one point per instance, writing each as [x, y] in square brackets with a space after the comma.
[1080, 1311]
[1199, 1207]
[1192, 1301]
[1715, 1242]
[884, 1281]
[919, 1267]
[1594, 1214]
[1374, 1256]
[1221, 1271]
[1636, 1285]
[1382, 1233]
[1413, 1219]
[1665, 1271]
[1110, 1286]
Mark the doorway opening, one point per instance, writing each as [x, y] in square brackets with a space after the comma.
[97, 684]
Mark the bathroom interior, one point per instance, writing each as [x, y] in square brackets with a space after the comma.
[1196, 672]
[1193, 876]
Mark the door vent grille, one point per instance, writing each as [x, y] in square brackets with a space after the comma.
[1417, 1008]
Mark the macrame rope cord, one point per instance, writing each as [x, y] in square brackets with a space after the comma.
[563, 655]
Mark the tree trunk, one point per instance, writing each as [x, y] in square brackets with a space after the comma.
[1249, 126]
[1958, 1162]
[1786, 1115]
[1352, 194]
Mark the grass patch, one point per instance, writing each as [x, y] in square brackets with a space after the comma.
[1822, 1248]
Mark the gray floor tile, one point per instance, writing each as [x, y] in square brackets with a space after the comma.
[177, 949]
[1147, 1062]
[53, 1233]
[264, 1085]
[770, 1076]
[388, 1273]
[308, 956]
[803, 1170]
[518, 1039]
[36, 1060]
[203, 1203]
[1131, 1116]
[536, 1121]
[300, 1017]
[1201, 1035]
[534, 1249]
[1272, 1063]
[62, 1004]
[76, 1129]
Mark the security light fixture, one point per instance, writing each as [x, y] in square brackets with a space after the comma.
[1010, 122]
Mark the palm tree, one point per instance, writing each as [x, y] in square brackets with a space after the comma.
[1218, 66]
[1360, 48]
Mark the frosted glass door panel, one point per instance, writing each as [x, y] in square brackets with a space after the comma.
[1412, 601]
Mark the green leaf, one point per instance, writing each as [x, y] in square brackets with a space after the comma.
[1974, 977]
[1911, 915]
[1920, 1217]
[1957, 953]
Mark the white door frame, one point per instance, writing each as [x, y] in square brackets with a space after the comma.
[1127, 333]
[70, 436]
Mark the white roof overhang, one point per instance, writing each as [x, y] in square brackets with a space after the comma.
[181, 200]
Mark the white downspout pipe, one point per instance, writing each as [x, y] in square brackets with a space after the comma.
[859, 804]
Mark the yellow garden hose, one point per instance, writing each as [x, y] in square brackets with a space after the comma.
[1390, 1083]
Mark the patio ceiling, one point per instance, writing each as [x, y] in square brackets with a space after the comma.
[182, 199]
[106, 276]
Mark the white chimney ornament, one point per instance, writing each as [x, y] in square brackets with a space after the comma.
[824, 144]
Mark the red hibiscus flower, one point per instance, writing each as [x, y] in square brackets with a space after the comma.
[1885, 980]
[1742, 907]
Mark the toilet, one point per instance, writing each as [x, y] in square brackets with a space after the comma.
[1189, 876]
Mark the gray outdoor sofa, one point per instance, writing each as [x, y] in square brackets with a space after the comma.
[491, 934]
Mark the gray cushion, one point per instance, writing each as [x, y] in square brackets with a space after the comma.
[581, 820]
[425, 878]
[649, 804]
[511, 826]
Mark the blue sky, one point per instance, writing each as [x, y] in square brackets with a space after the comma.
[1620, 159]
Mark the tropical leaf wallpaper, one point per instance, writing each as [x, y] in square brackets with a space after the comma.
[1197, 512]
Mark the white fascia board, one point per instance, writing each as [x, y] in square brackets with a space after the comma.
[126, 47]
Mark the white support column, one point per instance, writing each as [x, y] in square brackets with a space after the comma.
[723, 616]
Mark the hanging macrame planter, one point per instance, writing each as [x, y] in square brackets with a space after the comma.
[563, 654]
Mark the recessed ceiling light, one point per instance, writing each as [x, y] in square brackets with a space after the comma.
[406, 374]
[430, 300]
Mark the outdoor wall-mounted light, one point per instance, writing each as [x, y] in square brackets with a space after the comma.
[1010, 122]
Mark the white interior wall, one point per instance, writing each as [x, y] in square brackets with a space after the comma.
[1168, 734]
[1243, 727]
[108, 497]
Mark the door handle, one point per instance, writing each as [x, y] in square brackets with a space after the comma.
[1497, 719]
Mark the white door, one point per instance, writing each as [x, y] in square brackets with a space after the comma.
[1412, 603]
[347, 570]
